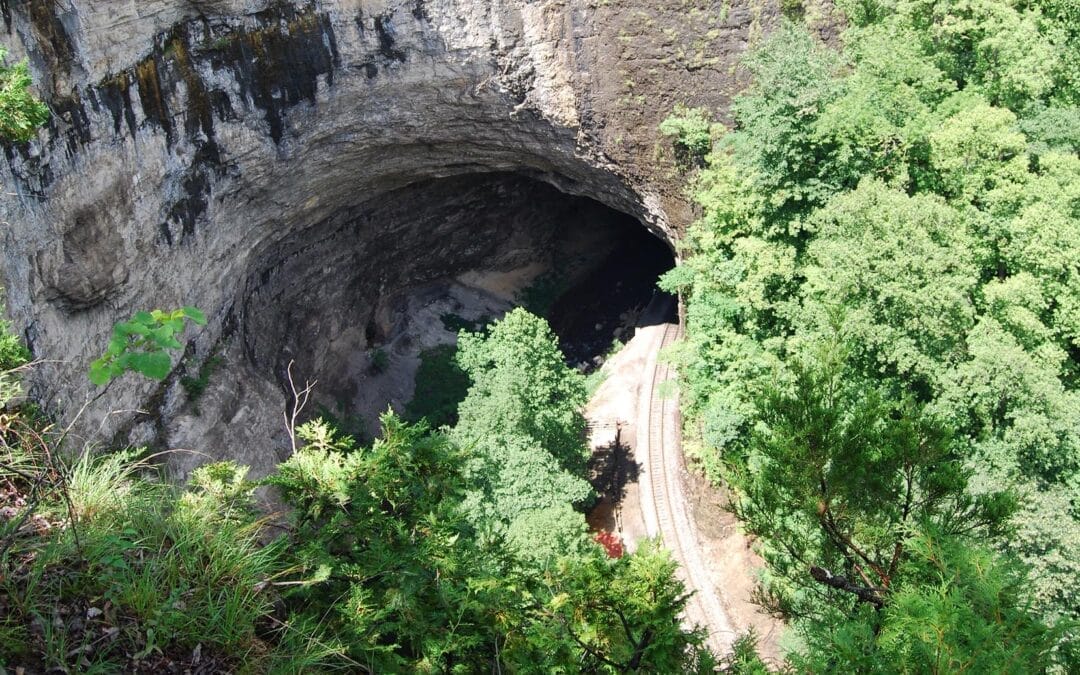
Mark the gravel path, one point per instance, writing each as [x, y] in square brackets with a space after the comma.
[664, 503]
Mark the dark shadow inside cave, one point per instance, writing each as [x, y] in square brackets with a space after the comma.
[606, 305]
[355, 301]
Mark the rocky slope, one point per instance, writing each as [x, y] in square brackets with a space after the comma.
[292, 167]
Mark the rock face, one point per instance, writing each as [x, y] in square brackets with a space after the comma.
[289, 167]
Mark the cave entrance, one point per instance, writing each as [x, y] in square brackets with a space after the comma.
[360, 299]
[601, 310]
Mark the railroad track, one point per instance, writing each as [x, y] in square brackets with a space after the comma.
[664, 504]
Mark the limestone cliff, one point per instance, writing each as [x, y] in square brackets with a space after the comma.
[288, 166]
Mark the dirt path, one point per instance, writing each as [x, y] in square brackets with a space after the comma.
[664, 503]
[648, 492]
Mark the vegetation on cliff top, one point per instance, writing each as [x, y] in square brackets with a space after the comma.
[882, 354]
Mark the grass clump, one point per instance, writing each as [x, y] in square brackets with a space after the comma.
[130, 573]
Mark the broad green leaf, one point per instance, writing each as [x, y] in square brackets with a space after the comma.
[195, 315]
[155, 365]
[99, 372]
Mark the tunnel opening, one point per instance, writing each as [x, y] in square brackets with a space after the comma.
[600, 312]
[359, 300]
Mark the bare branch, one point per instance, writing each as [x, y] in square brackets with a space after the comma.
[871, 595]
[299, 400]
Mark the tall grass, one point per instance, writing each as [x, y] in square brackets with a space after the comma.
[147, 574]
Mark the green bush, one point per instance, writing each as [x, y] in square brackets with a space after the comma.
[906, 202]
[380, 361]
[692, 134]
[13, 353]
[21, 114]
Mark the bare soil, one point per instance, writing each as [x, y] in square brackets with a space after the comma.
[732, 566]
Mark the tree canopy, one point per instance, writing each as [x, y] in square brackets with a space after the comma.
[523, 417]
[882, 328]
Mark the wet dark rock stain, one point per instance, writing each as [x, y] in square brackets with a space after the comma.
[51, 35]
[278, 65]
[384, 27]
[115, 95]
[69, 123]
[277, 59]
[387, 52]
[419, 11]
[197, 187]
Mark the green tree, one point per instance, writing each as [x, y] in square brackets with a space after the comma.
[389, 564]
[523, 417]
[839, 479]
[794, 80]
[20, 112]
[993, 46]
[522, 386]
[914, 194]
[954, 608]
[614, 616]
[388, 559]
[898, 273]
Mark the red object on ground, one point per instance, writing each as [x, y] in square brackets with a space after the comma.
[611, 542]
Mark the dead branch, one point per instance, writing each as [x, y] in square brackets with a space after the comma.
[299, 400]
[871, 595]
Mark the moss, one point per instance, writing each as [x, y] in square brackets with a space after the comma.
[196, 386]
[793, 9]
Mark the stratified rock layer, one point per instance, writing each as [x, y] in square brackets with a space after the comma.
[291, 167]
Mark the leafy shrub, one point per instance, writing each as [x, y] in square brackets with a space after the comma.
[387, 557]
[909, 202]
[692, 135]
[792, 9]
[20, 112]
[140, 345]
[12, 351]
[380, 361]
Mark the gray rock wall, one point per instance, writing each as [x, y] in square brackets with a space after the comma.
[261, 160]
